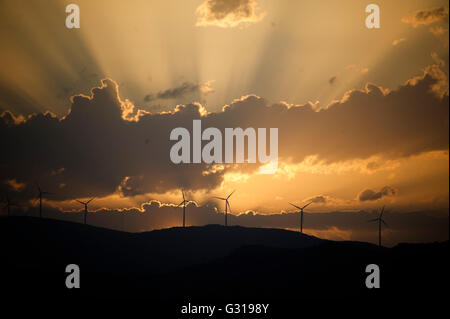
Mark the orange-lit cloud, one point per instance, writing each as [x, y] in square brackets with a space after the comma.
[438, 30]
[228, 13]
[427, 16]
[15, 185]
[398, 41]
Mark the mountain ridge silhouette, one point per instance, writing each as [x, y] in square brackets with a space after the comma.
[210, 262]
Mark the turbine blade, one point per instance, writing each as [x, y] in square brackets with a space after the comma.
[79, 201]
[306, 205]
[90, 200]
[219, 198]
[373, 220]
[295, 206]
[231, 194]
[385, 224]
[382, 211]
[180, 203]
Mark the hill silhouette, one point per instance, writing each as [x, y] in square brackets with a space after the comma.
[209, 263]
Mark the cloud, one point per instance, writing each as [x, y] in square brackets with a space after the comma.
[97, 150]
[320, 199]
[228, 13]
[357, 68]
[441, 33]
[427, 16]
[184, 89]
[332, 80]
[398, 41]
[440, 78]
[371, 195]
[14, 185]
[106, 145]
[440, 62]
[438, 30]
[431, 16]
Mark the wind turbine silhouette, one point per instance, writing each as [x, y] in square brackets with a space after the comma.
[8, 204]
[184, 202]
[85, 207]
[227, 205]
[379, 220]
[40, 198]
[301, 214]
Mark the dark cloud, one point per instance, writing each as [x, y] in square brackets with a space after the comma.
[184, 89]
[332, 80]
[427, 16]
[320, 199]
[149, 98]
[96, 151]
[371, 195]
[104, 144]
[176, 92]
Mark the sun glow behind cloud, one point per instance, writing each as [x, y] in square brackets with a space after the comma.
[305, 181]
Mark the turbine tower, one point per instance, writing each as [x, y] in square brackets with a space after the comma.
[184, 202]
[379, 220]
[301, 214]
[40, 198]
[85, 207]
[227, 206]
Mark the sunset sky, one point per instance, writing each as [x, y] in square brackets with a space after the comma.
[362, 113]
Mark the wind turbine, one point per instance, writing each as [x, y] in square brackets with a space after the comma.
[379, 220]
[227, 206]
[8, 204]
[85, 207]
[40, 198]
[184, 202]
[301, 214]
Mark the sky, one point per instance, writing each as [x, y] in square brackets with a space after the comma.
[362, 114]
